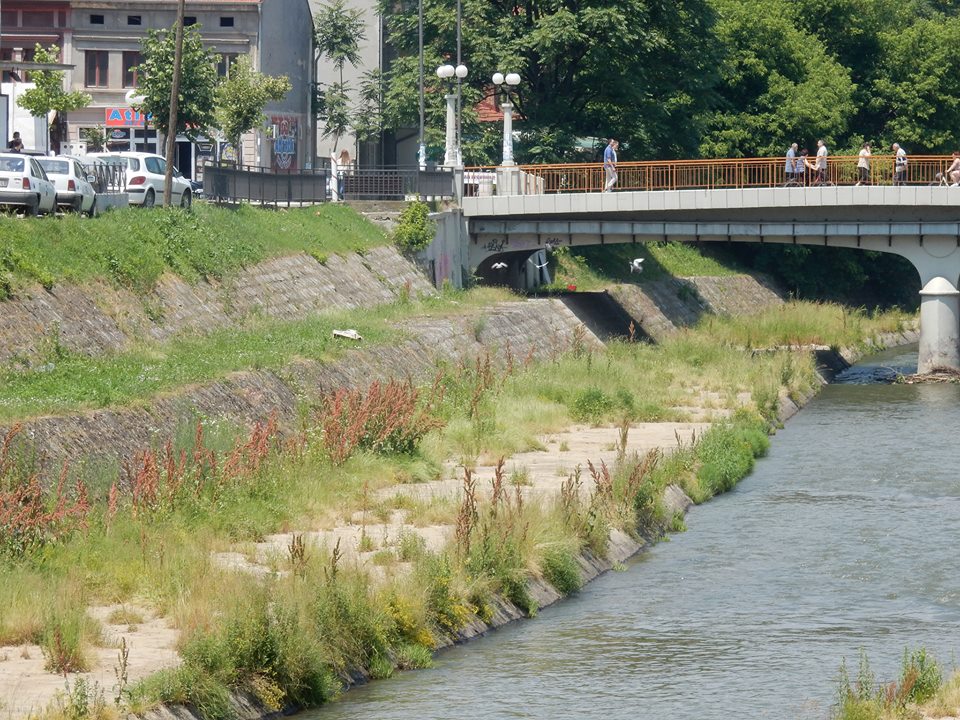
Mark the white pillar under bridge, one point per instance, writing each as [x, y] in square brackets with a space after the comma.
[938, 262]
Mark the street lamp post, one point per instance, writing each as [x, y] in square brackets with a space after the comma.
[452, 156]
[506, 83]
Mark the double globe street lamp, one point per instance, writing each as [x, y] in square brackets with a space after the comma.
[452, 156]
[505, 84]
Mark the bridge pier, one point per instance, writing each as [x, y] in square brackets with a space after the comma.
[939, 326]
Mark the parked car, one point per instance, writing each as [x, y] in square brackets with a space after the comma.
[145, 175]
[74, 184]
[24, 185]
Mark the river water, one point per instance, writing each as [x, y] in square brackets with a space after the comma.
[843, 538]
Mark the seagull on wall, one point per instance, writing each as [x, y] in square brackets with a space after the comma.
[499, 266]
[637, 265]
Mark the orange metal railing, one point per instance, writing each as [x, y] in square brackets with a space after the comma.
[715, 174]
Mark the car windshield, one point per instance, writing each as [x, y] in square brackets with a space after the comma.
[55, 167]
[11, 164]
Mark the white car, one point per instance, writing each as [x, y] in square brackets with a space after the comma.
[24, 185]
[145, 175]
[74, 190]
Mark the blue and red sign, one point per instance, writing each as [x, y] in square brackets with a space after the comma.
[125, 117]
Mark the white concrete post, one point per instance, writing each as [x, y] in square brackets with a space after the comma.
[507, 108]
[450, 151]
[939, 326]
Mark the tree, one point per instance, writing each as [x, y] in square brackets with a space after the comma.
[197, 96]
[777, 85]
[368, 113]
[338, 33]
[917, 89]
[48, 93]
[241, 98]
[638, 70]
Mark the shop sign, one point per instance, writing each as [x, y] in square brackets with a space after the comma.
[124, 117]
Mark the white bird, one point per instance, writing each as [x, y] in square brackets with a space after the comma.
[636, 265]
[499, 266]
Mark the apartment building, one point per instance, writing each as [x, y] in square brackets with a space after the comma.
[101, 40]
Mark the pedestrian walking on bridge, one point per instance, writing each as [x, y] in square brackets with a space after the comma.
[610, 164]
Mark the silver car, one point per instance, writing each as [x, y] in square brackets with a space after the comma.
[145, 176]
[24, 185]
[74, 189]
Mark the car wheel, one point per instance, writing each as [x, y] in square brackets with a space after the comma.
[149, 199]
[186, 200]
[94, 210]
[77, 206]
[32, 209]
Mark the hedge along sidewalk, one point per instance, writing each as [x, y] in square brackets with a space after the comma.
[135, 246]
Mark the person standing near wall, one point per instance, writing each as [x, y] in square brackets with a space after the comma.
[16, 144]
[899, 165]
[334, 181]
[610, 164]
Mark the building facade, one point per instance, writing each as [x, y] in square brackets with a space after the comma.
[101, 40]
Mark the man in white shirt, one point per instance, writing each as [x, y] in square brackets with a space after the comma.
[899, 165]
[820, 165]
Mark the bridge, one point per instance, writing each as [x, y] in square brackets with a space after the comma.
[510, 217]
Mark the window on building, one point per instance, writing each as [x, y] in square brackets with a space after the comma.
[96, 19]
[9, 18]
[61, 18]
[226, 21]
[131, 59]
[189, 20]
[225, 63]
[97, 63]
[133, 19]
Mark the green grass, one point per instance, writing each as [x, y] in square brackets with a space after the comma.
[594, 267]
[135, 246]
[67, 382]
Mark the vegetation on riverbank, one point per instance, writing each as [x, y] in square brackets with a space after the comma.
[919, 691]
[133, 247]
[148, 537]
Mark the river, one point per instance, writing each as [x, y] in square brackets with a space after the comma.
[844, 537]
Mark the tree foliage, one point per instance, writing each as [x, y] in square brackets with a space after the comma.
[241, 98]
[198, 81]
[337, 34]
[48, 92]
[669, 79]
[637, 69]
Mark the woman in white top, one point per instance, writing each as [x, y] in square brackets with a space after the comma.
[863, 165]
[334, 183]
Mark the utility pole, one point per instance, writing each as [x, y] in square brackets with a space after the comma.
[421, 148]
[174, 101]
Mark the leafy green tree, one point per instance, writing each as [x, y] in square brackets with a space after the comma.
[198, 82]
[368, 113]
[241, 98]
[338, 32]
[777, 84]
[48, 93]
[638, 70]
[917, 89]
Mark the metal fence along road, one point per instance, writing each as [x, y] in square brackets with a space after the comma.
[722, 174]
[306, 187]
